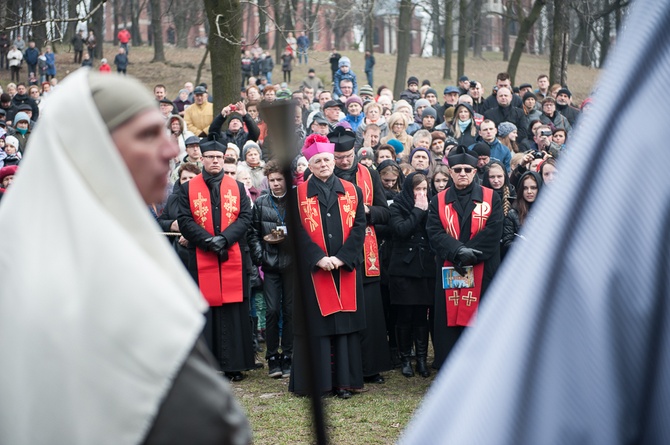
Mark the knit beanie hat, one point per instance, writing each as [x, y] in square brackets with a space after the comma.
[353, 99]
[506, 128]
[425, 150]
[250, 145]
[429, 111]
[344, 61]
[421, 103]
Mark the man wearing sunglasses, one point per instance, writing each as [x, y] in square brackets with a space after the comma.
[464, 228]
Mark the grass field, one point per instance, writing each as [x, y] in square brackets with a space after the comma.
[182, 66]
[377, 416]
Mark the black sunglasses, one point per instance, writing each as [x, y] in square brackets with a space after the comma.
[457, 170]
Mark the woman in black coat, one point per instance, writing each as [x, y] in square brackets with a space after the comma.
[412, 271]
[530, 184]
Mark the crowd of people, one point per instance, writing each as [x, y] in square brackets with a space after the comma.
[407, 208]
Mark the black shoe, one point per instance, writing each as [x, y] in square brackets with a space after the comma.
[377, 378]
[261, 336]
[235, 376]
[286, 366]
[274, 367]
[342, 393]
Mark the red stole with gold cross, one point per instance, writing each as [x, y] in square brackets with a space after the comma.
[220, 283]
[370, 247]
[327, 296]
[462, 303]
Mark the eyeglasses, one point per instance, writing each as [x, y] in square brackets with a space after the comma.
[458, 170]
[212, 157]
[349, 156]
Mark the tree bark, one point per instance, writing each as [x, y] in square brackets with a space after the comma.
[157, 31]
[607, 29]
[116, 8]
[448, 38]
[437, 30]
[477, 28]
[135, 11]
[526, 23]
[39, 32]
[369, 26]
[280, 39]
[97, 24]
[224, 51]
[263, 37]
[558, 64]
[403, 44]
[505, 29]
[462, 37]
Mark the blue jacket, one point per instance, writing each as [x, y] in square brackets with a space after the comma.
[354, 121]
[121, 61]
[51, 64]
[339, 75]
[31, 56]
[303, 42]
[369, 63]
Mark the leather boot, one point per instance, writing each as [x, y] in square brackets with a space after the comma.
[421, 341]
[404, 336]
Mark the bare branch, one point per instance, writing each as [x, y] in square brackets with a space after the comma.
[49, 20]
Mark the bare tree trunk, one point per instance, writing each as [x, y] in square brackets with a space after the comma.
[224, 52]
[437, 30]
[280, 38]
[462, 37]
[135, 11]
[605, 41]
[116, 9]
[505, 30]
[263, 38]
[558, 60]
[39, 32]
[157, 30]
[477, 28]
[448, 38]
[71, 27]
[97, 24]
[404, 41]
[369, 26]
[201, 65]
[524, 31]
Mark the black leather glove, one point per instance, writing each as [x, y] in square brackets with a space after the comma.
[461, 271]
[223, 255]
[467, 256]
[216, 244]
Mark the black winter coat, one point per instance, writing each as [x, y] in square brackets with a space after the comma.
[511, 227]
[264, 219]
[510, 114]
[238, 138]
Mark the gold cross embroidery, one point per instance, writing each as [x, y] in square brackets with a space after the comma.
[449, 216]
[481, 213]
[454, 298]
[201, 210]
[469, 299]
[311, 212]
[230, 205]
[349, 208]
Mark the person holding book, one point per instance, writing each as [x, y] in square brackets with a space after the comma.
[464, 227]
[412, 272]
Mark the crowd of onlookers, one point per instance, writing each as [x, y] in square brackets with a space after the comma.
[516, 133]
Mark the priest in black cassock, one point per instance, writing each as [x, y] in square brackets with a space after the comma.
[464, 227]
[375, 345]
[331, 232]
[214, 215]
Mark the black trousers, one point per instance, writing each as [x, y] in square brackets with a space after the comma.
[278, 289]
[78, 56]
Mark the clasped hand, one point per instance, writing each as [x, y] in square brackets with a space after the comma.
[329, 263]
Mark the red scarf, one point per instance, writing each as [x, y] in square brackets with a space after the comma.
[220, 283]
[370, 247]
[462, 303]
[327, 296]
